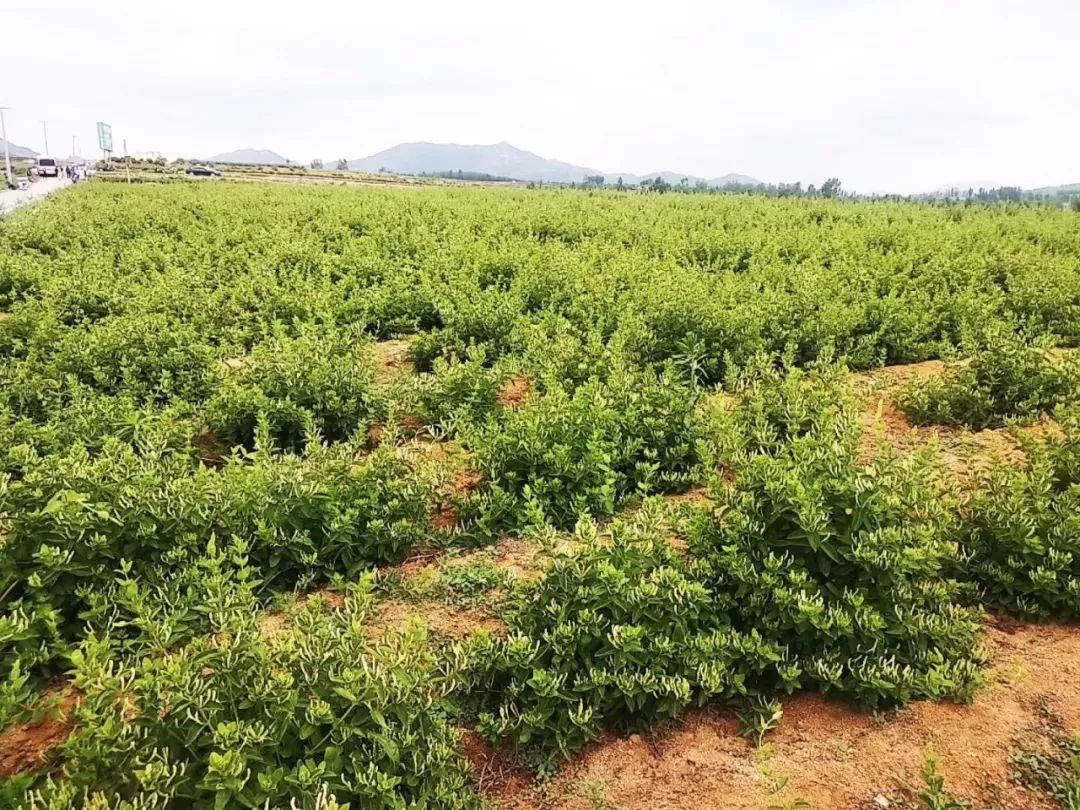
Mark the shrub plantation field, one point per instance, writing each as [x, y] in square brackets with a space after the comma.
[380, 497]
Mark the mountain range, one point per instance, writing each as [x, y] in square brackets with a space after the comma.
[1068, 188]
[497, 160]
[258, 157]
[505, 160]
[16, 152]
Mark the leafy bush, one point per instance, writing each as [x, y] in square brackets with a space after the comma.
[1022, 529]
[183, 365]
[314, 381]
[73, 521]
[615, 633]
[456, 394]
[843, 565]
[562, 455]
[1008, 378]
[772, 405]
[243, 717]
[147, 356]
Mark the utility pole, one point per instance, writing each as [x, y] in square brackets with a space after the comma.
[7, 155]
[127, 162]
[45, 132]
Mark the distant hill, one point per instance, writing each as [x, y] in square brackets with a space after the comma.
[1068, 188]
[259, 157]
[504, 160]
[961, 189]
[735, 180]
[17, 152]
[500, 159]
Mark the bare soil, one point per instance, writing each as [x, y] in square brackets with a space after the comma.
[514, 392]
[452, 621]
[965, 452]
[26, 747]
[391, 360]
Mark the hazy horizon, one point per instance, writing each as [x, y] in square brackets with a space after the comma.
[902, 99]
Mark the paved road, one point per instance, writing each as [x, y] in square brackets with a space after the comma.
[10, 200]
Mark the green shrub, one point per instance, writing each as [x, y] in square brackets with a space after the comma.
[616, 633]
[456, 394]
[771, 405]
[242, 717]
[563, 455]
[71, 522]
[147, 356]
[315, 381]
[1022, 529]
[1008, 378]
[843, 565]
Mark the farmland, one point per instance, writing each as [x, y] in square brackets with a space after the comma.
[399, 497]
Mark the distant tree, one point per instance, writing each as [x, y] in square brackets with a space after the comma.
[684, 182]
[831, 187]
[619, 183]
[317, 163]
[594, 180]
[811, 190]
[343, 165]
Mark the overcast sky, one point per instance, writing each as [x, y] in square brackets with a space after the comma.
[889, 96]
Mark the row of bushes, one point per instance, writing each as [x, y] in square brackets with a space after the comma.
[811, 570]
[101, 481]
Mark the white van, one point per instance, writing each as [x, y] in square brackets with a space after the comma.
[46, 167]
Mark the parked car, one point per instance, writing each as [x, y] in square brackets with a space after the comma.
[47, 167]
[198, 170]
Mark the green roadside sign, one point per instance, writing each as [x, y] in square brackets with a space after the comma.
[104, 136]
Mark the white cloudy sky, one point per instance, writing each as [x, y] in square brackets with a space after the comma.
[887, 95]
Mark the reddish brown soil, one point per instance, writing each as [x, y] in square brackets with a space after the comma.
[375, 434]
[699, 496]
[500, 778]
[420, 559]
[412, 422]
[524, 559]
[465, 481]
[963, 450]
[521, 558]
[827, 754]
[27, 747]
[210, 449]
[445, 518]
[514, 392]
